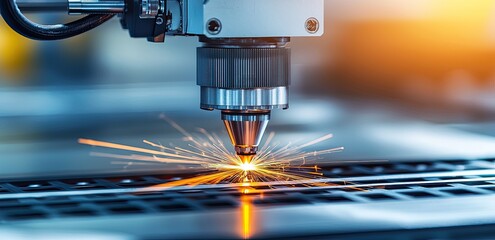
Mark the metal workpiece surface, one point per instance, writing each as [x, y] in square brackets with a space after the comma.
[359, 198]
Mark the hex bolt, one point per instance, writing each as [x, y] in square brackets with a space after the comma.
[312, 25]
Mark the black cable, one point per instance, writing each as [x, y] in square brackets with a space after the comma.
[22, 25]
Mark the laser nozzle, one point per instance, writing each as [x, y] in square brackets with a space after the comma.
[246, 130]
[246, 159]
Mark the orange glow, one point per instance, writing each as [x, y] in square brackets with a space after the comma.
[16, 53]
[421, 51]
[247, 167]
[282, 165]
[207, 151]
[247, 220]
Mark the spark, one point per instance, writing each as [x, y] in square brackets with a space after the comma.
[207, 151]
[247, 167]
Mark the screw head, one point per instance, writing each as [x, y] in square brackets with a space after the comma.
[312, 25]
[159, 21]
[214, 26]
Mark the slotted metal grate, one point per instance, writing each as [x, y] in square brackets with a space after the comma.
[350, 184]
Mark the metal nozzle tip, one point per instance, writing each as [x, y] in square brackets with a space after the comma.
[251, 150]
[246, 159]
[245, 130]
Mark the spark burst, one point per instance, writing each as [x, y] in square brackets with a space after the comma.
[206, 150]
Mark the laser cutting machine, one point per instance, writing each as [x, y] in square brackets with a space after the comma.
[243, 65]
[400, 177]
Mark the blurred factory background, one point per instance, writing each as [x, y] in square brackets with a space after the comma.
[392, 79]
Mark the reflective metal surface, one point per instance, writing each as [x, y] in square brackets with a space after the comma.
[244, 76]
[246, 130]
[244, 99]
[426, 196]
[151, 8]
[96, 6]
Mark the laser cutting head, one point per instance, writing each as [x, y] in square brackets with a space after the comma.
[243, 67]
[245, 79]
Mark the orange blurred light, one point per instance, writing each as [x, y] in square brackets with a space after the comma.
[247, 221]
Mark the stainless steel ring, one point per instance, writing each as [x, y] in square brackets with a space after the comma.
[237, 116]
[244, 99]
